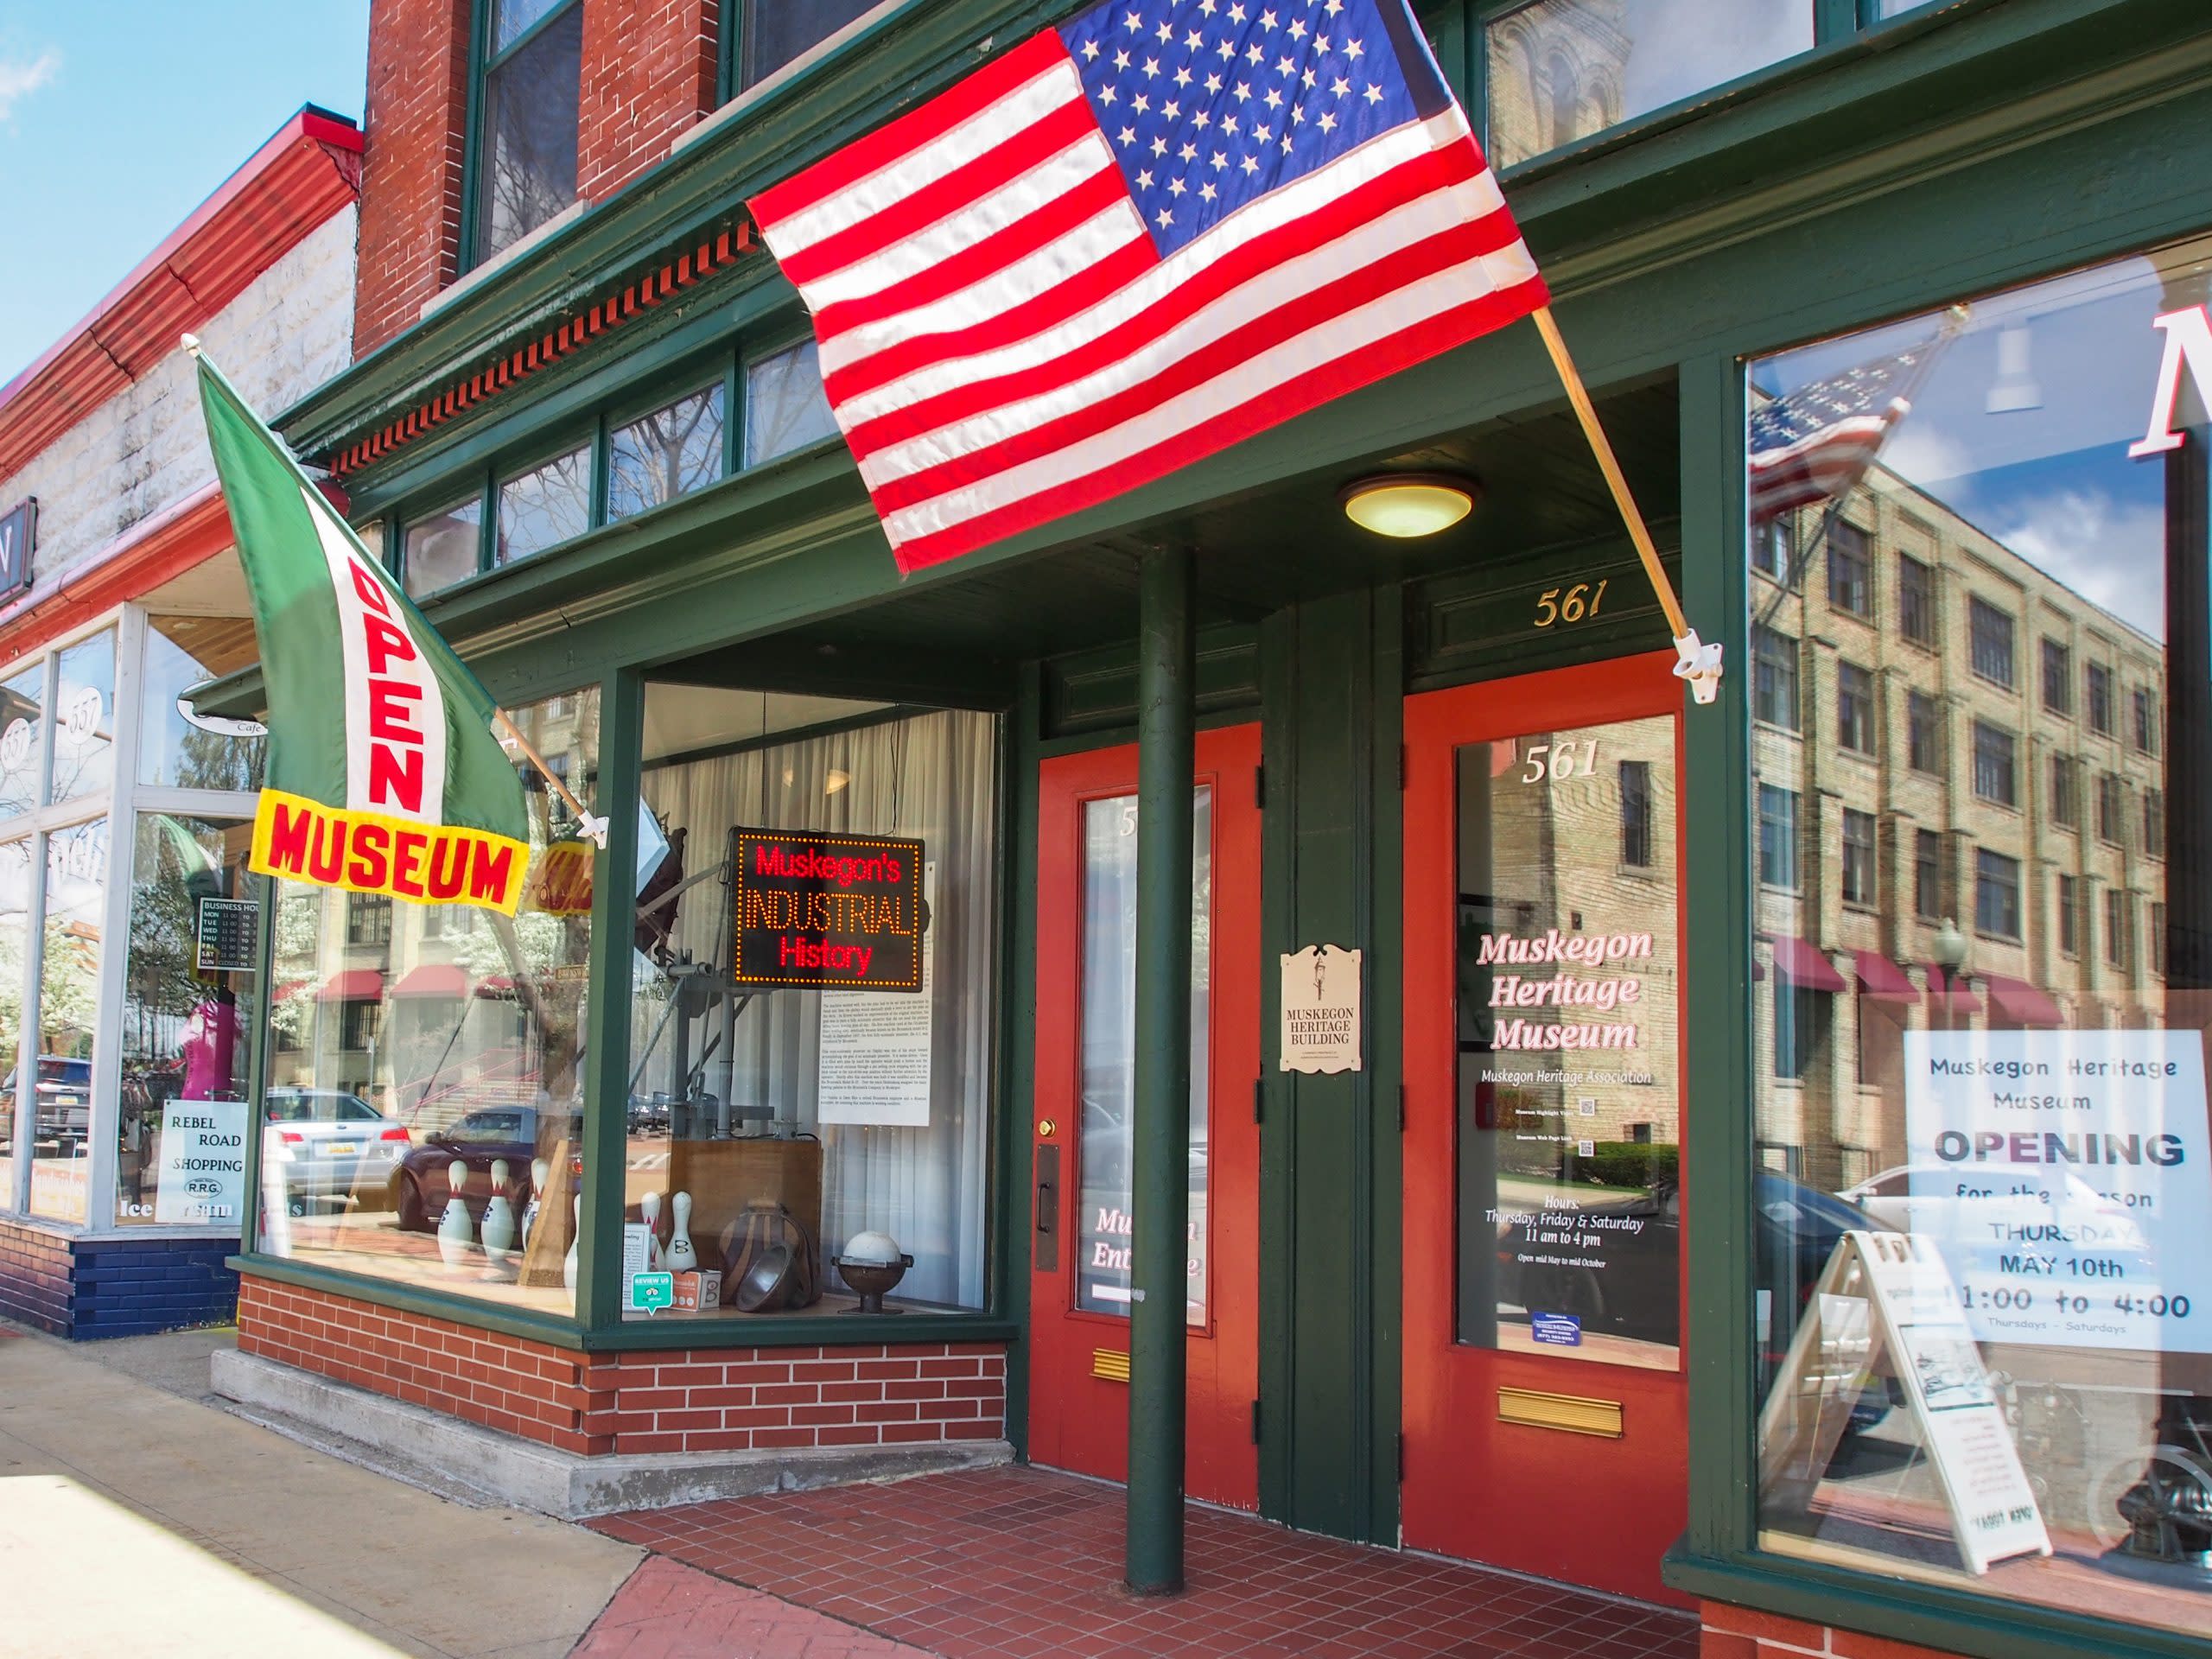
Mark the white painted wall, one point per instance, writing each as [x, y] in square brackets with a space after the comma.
[146, 448]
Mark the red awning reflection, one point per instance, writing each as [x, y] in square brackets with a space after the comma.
[1882, 979]
[353, 985]
[2019, 1003]
[1804, 965]
[433, 979]
[1948, 993]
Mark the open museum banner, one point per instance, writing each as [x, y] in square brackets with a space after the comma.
[383, 775]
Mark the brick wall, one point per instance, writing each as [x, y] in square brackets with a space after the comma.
[648, 73]
[118, 1285]
[730, 1399]
[1738, 1633]
[412, 157]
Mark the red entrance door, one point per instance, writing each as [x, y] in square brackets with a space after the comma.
[1081, 1117]
[1544, 1400]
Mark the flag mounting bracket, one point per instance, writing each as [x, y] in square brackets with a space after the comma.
[1695, 661]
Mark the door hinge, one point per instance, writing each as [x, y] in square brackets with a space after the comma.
[1402, 1460]
[1401, 1108]
[1255, 1422]
[1259, 784]
[1404, 765]
[1259, 1100]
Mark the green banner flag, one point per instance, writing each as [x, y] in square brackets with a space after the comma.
[384, 775]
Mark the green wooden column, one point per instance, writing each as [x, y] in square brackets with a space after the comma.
[606, 1059]
[1160, 1189]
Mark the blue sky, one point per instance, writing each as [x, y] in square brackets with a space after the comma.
[118, 117]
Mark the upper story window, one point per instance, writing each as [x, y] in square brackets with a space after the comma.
[1559, 70]
[1923, 732]
[1774, 677]
[1850, 587]
[2100, 680]
[2057, 677]
[1915, 601]
[769, 34]
[1854, 708]
[1774, 546]
[2146, 720]
[1990, 631]
[526, 119]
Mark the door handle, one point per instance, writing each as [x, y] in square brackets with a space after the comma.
[1046, 1253]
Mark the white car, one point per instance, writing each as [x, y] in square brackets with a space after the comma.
[330, 1144]
[1957, 1206]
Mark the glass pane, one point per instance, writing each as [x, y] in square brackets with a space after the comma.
[793, 1134]
[1562, 69]
[84, 719]
[1570, 1204]
[182, 652]
[68, 1008]
[1984, 1277]
[1105, 1152]
[545, 506]
[441, 547]
[189, 995]
[23, 739]
[530, 135]
[776, 31]
[670, 452]
[400, 1035]
[510, 17]
[15, 945]
[785, 408]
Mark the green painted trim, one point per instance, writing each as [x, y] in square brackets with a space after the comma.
[1931, 1616]
[1717, 1020]
[1017, 1017]
[472, 139]
[799, 1330]
[607, 1056]
[432, 1304]
[1278, 1304]
[1384, 1041]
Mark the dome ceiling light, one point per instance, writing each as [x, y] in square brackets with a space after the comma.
[1407, 505]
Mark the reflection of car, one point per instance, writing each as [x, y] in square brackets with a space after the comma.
[330, 1144]
[64, 1110]
[422, 1185]
[1962, 1210]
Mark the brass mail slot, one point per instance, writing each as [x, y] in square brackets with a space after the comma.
[1110, 1364]
[1568, 1413]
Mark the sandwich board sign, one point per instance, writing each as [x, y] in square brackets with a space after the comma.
[1886, 1304]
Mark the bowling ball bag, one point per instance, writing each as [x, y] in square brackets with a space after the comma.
[771, 1260]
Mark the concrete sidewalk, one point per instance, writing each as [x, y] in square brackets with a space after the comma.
[135, 1517]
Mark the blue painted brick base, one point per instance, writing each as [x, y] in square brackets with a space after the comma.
[89, 1287]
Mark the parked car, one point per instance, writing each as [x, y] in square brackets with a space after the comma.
[422, 1185]
[64, 1112]
[1967, 1211]
[331, 1144]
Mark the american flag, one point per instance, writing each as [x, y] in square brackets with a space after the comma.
[1132, 241]
[1814, 443]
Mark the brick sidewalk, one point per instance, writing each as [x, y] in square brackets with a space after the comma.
[1018, 1563]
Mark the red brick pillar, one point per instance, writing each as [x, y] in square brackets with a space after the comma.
[649, 74]
[413, 154]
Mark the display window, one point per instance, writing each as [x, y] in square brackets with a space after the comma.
[424, 1113]
[1984, 1302]
[812, 1035]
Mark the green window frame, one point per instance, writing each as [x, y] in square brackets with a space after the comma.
[486, 58]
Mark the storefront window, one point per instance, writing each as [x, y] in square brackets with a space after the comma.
[84, 719]
[811, 1044]
[15, 946]
[785, 408]
[1560, 69]
[1569, 1178]
[1106, 1150]
[183, 651]
[423, 1116]
[68, 1011]
[23, 739]
[1984, 1284]
[190, 1000]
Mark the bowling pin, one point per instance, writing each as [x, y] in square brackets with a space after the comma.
[500, 1216]
[538, 1171]
[456, 1233]
[576, 1234]
[649, 1208]
[682, 1256]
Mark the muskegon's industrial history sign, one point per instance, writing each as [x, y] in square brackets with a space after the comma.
[828, 912]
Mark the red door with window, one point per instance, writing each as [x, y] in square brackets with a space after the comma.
[1081, 1115]
[1545, 1420]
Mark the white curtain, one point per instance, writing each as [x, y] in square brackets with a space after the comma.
[932, 778]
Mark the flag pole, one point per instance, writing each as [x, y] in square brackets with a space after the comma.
[591, 826]
[1697, 662]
